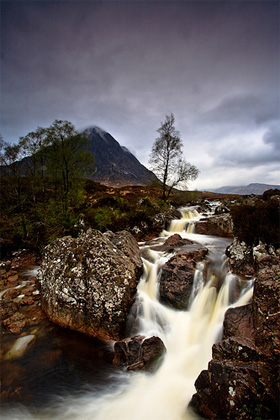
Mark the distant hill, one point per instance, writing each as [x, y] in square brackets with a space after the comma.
[115, 165]
[254, 188]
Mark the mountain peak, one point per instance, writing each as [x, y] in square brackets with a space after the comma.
[115, 164]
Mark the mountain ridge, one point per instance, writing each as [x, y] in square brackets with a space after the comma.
[253, 188]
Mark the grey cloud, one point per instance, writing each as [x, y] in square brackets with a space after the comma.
[244, 154]
[245, 109]
[272, 137]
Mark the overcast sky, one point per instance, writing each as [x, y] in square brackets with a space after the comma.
[124, 65]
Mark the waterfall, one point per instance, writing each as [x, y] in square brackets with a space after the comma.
[188, 337]
[186, 223]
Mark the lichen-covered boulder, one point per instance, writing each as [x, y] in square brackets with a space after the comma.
[88, 283]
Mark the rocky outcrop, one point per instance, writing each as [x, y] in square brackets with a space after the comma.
[240, 258]
[177, 277]
[219, 225]
[138, 353]
[89, 283]
[242, 380]
[246, 260]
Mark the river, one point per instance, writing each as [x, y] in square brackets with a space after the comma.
[82, 383]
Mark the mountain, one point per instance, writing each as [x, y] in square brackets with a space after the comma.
[254, 188]
[115, 165]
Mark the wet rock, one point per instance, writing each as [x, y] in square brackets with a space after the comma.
[238, 322]
[148, 229]
[162, 221]
[19, 347]
[12, 293]
[177, 277]
[242, 380]
[13, 278]
[222, 209]
[138, 353]
[7, 308]
[220, 225]
[15, 323]
[177, 241]
[89, 283]
[5, 265]
[266, 310]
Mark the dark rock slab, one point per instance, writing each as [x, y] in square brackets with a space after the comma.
[177, 277]
[238, 322]
[138, 353]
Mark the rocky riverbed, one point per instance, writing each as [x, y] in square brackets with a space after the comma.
[242, 380]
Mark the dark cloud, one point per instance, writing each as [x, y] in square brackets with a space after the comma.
[244, 109]
[124, 65]
[272, 137]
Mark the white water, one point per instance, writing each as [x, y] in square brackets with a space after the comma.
[188, 337]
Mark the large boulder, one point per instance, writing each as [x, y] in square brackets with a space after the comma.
[242, 380]
[88, 283]
[177, 276]
[219, 225]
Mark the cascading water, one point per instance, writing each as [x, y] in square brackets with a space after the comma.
[188, 336]
[187, 221]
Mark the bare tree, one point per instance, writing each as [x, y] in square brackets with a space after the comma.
[167, 159]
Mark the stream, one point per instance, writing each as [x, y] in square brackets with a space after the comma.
[68, 376]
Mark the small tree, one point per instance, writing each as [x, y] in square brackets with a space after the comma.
[167, 159]
[35, 151]
[68, 159]
[13, 197]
